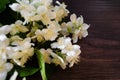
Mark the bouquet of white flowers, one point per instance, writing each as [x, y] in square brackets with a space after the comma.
[42, 32]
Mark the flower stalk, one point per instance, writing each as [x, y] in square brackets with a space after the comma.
[41, 63]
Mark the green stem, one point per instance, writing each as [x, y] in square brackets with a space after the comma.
[41, 64]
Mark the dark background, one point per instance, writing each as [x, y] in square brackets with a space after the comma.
[100, 57]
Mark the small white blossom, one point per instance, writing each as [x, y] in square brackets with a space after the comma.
[82, 28]
[61, 43]
[18, 27]
[51, 33]
[76, 27]
[38, 35]
[32, 10]
[60, 11]
[21, 52]
[5, 67]
[72, 51]
[42, 23]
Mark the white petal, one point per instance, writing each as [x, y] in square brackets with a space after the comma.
[14, 76]
[3, 37]
[5, 29]
[85, 33]
[15, 7]
[3, 75]
[8, 66]
[73, 18]
[41, 10]
[85, 26]
[79, 21]
[24, 78]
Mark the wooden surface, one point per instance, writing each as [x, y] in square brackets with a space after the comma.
[100, 58]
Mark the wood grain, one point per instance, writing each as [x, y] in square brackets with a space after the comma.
[100, 58]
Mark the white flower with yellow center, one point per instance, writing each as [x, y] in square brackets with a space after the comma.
[60, 11]
[80, 28]
[61, 43]
[51, 33]
[76, 27]
[38, 35]
[4, 66]
[32, 10]
[4, 69]
[18, 27]
[72, 51]
[23, 6]
[21, 52]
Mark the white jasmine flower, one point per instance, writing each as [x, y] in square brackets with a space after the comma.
[77, 21]
[38, 35]
[4, 69]
[60, 11]
[61, 43]
[82, 31]
[18, 27]
[21, 52]
[72, 51]
[4, 66]
[46, 18]
[23, 6]
[51, 32]
[31, 10]
[77, 27]
[4, 42]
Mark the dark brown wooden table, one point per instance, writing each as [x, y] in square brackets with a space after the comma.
[100, 58]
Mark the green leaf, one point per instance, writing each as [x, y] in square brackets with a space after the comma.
[27, 71]
[3, 4]
[41, 64]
